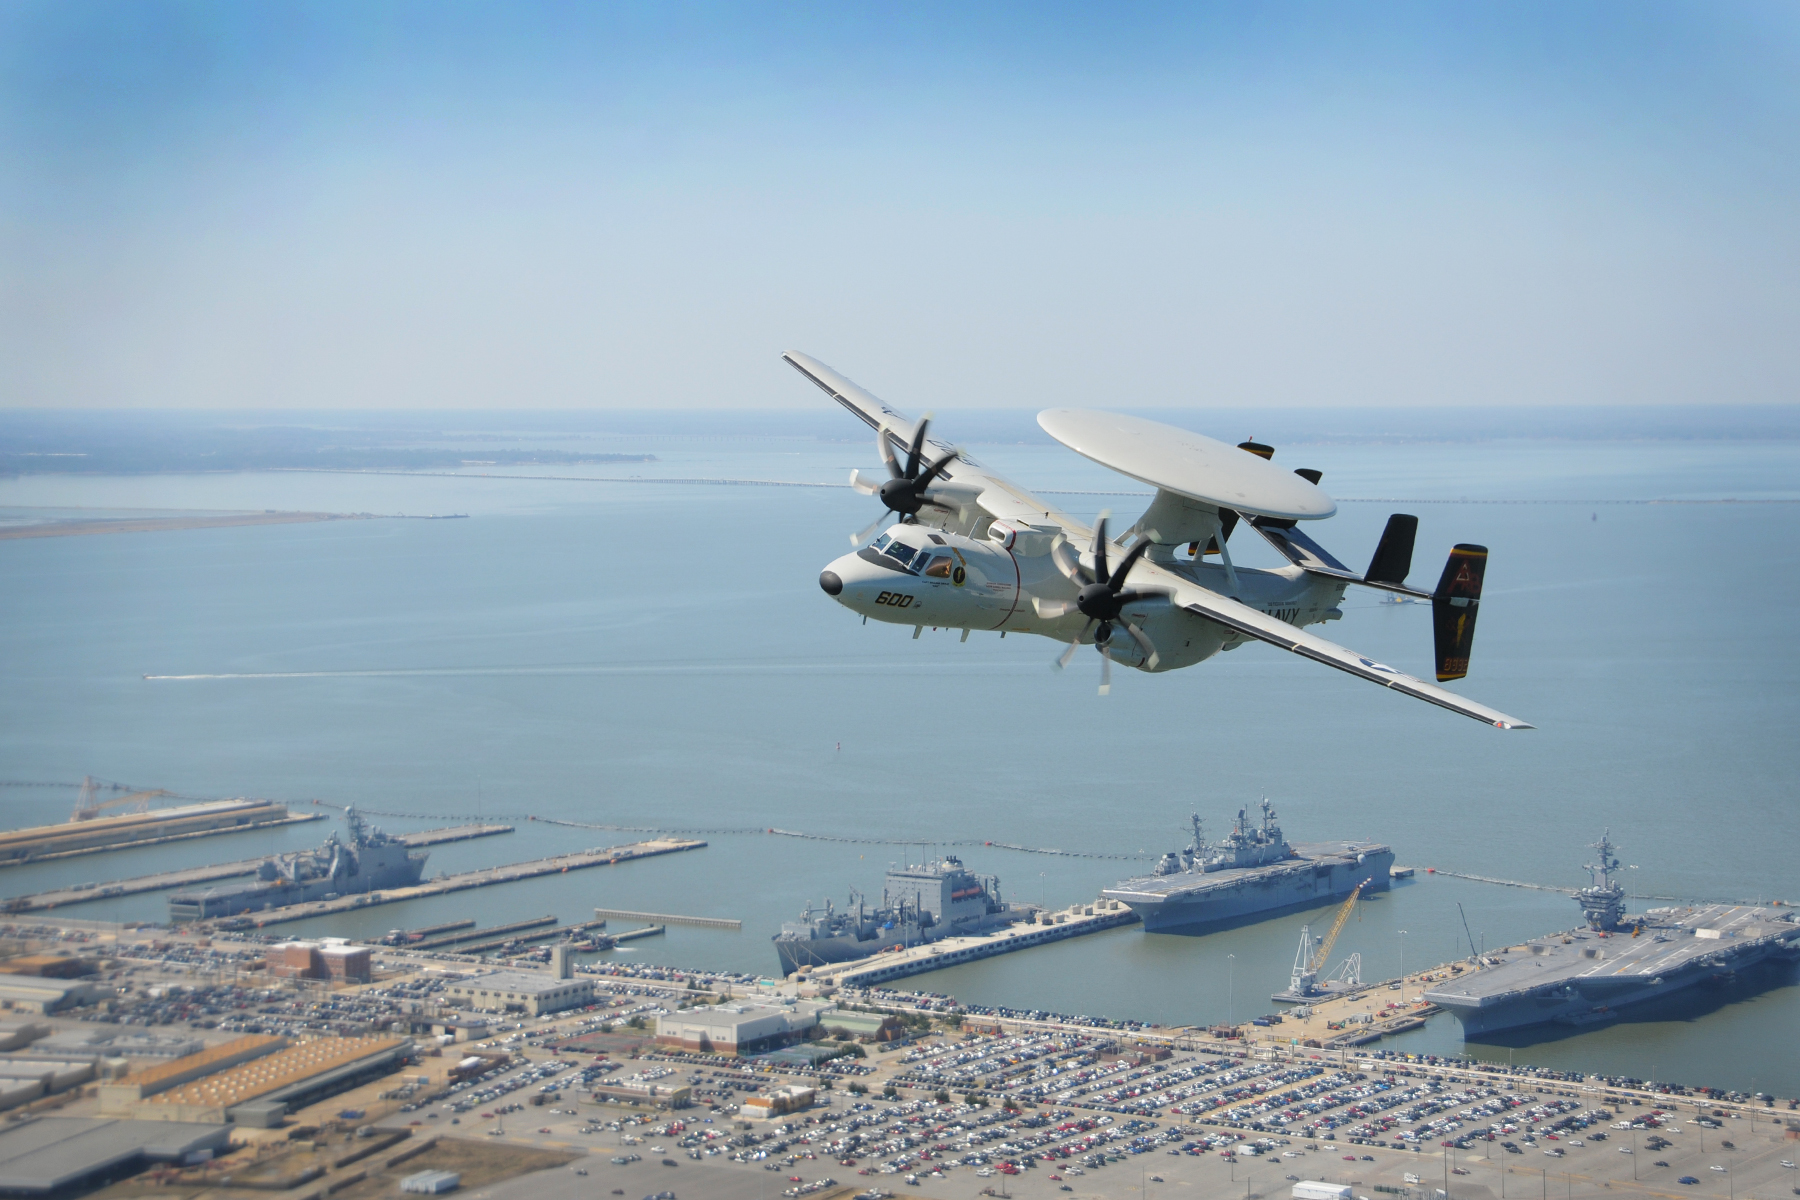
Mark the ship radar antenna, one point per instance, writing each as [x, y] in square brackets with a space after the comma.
[1601, 872]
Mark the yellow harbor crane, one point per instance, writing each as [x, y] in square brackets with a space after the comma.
[1311, 958]
[89, 805]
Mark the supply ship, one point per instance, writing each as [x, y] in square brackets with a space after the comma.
[369, 861]
[919, 904]
[1587, 975]
[1253, 872]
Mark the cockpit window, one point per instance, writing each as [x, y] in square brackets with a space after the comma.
[939, 568]
[881, 543]
[899, 551]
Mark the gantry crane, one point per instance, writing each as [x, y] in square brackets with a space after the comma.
[1311, 958]
[88, 805]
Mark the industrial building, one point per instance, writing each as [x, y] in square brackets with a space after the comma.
[56, 1155]
[781, 1101]
[266, 1083]
[331, 959]
[527, 991]
[734, 1028]
[431, 1183]
[121, 1099]
[23, 1080]
[39, 996]
[880, 1027]
[637, 1091]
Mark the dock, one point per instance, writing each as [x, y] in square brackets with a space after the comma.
[494, 934]
[46, 843]
[193, 876]
[581, 860]
[949, 952]
[623, 914]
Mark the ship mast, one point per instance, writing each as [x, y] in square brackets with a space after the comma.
[1603, 900]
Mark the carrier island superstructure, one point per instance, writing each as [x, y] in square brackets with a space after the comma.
[1585, 976]
[1253, 871]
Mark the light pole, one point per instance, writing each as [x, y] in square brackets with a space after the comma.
[1231, 991]
[1403, 966]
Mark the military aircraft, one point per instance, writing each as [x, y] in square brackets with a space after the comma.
[973, 551]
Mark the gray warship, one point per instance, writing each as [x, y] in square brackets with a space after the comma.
[919, 904]
[1587, 975]
[369, 861]
[1252, 872]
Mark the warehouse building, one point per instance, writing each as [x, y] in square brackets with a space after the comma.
[58, 1155]
[520, 991]
[38, 996]
[262, 1090]
[121, 1099]
[23, 1080]
[734, 1028]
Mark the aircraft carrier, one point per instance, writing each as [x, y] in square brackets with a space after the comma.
[1587, 975]
[919, 904]
[1253, 871]
[369, 861]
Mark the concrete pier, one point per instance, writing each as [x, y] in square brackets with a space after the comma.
[581, 860]
[948, 952]
[192, 876]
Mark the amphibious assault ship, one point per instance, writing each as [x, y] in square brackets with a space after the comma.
[919, 904]
[1252, 872]
[1585, 976]
[369, 861]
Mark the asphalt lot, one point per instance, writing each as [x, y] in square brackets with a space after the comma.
[1589, 1170]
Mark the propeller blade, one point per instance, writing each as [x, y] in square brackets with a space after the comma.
[1105, 672]
[931, 472]
[1063, 556]
[1100, 575]
[1131, 556]
[1073, 647]
[917, 447]
[864, 484]
[857, 539]
[1051, 609]
[887, 451]
[1144, 644]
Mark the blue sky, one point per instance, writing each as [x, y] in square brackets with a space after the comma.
[541, 206]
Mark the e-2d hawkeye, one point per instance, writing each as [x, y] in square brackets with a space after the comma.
[973, 551]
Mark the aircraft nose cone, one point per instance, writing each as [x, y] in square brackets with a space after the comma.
[830, 581]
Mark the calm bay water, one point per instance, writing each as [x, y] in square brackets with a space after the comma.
[659, 654]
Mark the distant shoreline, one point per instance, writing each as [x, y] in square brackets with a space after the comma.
[81, 525]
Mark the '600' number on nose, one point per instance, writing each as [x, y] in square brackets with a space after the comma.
[895, 599]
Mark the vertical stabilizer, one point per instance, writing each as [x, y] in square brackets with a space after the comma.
[1393, 554]
[1453, 607]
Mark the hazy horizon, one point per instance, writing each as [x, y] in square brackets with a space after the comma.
[546, 206]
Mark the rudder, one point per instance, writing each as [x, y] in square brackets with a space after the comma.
[1453, 608]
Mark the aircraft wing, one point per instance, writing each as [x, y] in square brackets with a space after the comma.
[1261, 626]
[997, 497]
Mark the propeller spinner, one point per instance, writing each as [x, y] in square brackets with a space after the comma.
[904, 491]
[1102, 600]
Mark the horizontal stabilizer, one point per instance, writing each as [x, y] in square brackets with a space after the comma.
[1453, 608]
[1301, 550]
[1393, 554]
